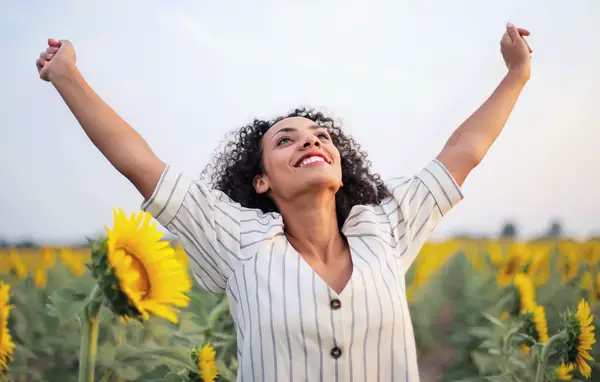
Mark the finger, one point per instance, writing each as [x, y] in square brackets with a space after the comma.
[52, 49]
[53, 42]
[513, 33]
[523, 32]
[505, 39]
[46, 56]
[39, 63]
[528, 47]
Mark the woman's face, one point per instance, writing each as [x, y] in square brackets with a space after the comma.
[298, 157]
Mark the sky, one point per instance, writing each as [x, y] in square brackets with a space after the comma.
[401, 76]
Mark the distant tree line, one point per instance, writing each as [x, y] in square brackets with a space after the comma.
[509, 230]
[28, 243]
[31, 243]
[554, 231]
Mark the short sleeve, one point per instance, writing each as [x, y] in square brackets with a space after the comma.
[417, 205]
[206, 222]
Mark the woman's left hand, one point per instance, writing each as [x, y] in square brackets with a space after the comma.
[516, 51]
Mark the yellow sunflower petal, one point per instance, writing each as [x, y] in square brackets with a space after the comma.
[526, 292]
[6, 345]
[583, 342]
[161, 310]
[148, 270]
[541, 325]
[584, 368]
[563, 372]
[206, 363]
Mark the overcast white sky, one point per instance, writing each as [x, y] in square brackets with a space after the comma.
[401, 75]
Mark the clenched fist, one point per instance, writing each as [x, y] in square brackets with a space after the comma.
[516, 51]
[56, 59]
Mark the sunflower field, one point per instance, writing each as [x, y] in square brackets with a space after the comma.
[125, 308]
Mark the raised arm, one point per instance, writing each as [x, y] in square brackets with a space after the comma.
[467, 146]
[212, 228]
[126, 150]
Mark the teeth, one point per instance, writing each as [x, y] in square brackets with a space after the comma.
[311, 160]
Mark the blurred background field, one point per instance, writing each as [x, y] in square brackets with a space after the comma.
[402, 74]
[460, 292]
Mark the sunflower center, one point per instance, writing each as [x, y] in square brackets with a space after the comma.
[142, 283]
[511, 267]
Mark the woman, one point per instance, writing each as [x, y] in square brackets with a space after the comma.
[310, 247]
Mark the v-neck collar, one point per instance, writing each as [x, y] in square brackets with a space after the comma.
[316, 274]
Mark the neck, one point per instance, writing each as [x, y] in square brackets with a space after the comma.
[312, 227]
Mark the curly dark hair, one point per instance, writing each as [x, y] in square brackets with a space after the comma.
[236, 164]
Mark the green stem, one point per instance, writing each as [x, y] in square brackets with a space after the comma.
[106, 376]
[505, 352]
[121, 340]
[89, 338]
[543, 358]
[506, 345]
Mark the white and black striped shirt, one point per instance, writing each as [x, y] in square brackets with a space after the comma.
[291, 326]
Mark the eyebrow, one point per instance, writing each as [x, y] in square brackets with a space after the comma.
[293, 129]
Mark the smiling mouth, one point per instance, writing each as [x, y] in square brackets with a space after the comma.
[312, 160]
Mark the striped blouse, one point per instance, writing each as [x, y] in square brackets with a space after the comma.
[291, 326]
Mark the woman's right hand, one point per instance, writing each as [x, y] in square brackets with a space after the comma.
[56, 59]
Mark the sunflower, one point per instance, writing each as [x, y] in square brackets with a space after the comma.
[510, 266]
[591, 252]
[495, 253]
[541, 324]
[525, 292]
[566, 246]
[5, 263]
[430, 259]
[473, 253]
[6, 345]
[581, 338]
[138, 272]
[539, 268]
[40, 277]
[587, 284]
[568, 265]
[74, 260]
[563, 372]
[17, 265]
[39, 268]
[535, 326]
[182, 256]
[205, 359]
[48, 257]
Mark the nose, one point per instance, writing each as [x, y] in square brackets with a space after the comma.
[311, 141]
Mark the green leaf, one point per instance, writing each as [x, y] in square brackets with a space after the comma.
[485, 363]
[494, 320]
[218, 311]
[161, 374]
[498, 379]
[481, 332]
[128, 354]
[225, 373]
[65, 309]
[224, 336]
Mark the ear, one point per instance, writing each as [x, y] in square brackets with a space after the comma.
[261, 184]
